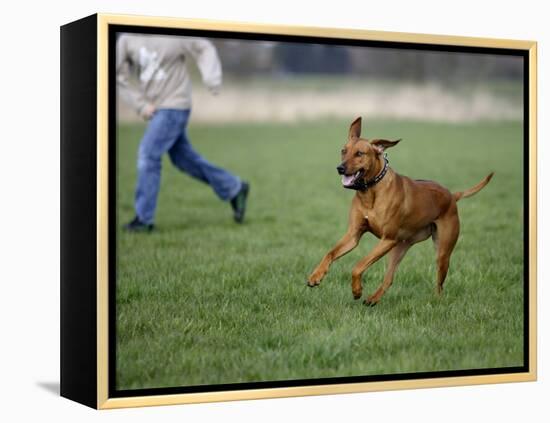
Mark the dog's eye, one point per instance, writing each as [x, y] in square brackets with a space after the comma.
[343, 151]
[359, 153]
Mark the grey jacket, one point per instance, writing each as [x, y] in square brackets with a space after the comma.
[161, 65]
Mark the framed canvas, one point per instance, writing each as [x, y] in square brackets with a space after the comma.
[204, 168]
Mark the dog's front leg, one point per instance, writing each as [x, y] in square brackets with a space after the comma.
[379, 250]
[345, 245]
[348, 242]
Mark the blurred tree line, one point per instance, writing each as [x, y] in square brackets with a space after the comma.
[247, 58]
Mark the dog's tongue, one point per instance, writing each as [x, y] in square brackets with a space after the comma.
[347, 180]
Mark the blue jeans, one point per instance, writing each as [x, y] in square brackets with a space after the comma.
[166, 132]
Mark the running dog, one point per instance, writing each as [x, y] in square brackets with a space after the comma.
[398, 210]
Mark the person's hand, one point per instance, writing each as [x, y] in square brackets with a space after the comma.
[214, 89]
[148, 111]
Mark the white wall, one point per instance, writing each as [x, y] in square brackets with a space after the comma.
[29, 211]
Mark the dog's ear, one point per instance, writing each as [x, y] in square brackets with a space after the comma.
[355, 129]
[381, 145]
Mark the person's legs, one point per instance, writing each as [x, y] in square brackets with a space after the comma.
[184, 157]
[164, 128]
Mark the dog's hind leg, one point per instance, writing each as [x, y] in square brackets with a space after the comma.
[395, 257]
[448, 228]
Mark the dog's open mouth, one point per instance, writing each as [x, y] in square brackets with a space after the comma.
[349, 181]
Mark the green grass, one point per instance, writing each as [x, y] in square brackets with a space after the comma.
[205, 301]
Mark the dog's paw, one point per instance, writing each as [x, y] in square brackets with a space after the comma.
[357, 294]
[371, 301]
[313, 281]
[312, 284]
[315, 278]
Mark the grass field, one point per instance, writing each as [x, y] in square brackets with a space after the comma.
[205, 301]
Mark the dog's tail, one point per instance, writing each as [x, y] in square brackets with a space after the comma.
[474, 189]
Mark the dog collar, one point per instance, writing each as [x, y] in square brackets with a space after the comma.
[364, 186]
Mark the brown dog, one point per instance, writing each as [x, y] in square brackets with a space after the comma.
[398, 210]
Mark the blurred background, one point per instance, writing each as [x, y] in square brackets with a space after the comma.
[285, 82]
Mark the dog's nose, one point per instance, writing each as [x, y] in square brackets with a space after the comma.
[341, 169]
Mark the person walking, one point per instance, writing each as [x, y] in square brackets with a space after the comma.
[162, 96]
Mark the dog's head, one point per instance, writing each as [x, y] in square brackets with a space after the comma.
[361, 159]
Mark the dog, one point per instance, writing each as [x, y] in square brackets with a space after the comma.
[398, 210]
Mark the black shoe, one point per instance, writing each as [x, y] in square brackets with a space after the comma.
[137, 225]
[238, 203]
